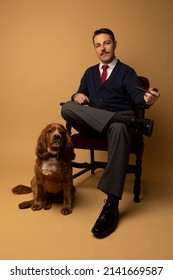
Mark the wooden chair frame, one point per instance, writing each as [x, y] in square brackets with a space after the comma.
[91, 143]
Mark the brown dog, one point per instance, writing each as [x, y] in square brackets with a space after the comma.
[53, 171]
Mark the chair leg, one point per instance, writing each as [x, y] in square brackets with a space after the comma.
[137, 184]
[92, 161]
[138, 171]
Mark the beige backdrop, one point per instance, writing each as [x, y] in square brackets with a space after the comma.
[46, 46]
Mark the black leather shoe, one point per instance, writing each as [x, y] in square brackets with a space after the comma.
[107, 221]
[148, 127]
[145, 124]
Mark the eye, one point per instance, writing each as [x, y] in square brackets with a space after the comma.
[49, 130]
[107, 42]
[97, 46]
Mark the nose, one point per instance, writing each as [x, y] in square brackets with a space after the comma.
[102, 47]
[56, 136]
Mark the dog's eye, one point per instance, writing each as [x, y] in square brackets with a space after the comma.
[62, 132]
[49, 130]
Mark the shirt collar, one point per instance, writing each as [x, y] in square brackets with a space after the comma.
[111, 65]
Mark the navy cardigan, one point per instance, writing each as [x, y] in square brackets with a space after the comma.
[118, 93]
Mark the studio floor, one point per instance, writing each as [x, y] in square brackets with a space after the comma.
[145, 229]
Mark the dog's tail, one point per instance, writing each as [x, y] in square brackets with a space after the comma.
[21, 189]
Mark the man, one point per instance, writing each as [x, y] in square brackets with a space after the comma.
[109, 112]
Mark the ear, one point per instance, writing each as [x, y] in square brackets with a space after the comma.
[115, 45]
[41, 148]
[69, 148]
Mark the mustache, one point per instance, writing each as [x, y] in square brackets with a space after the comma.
[104, 53]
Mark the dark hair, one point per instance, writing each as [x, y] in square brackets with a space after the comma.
[105, 31]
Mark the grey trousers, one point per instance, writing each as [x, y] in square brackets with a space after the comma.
[88, 120]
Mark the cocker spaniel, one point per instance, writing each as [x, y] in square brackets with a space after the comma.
[53, 171]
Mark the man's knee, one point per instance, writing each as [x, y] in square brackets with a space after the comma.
[66, 109]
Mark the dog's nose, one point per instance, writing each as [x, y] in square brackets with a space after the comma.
[56, 136]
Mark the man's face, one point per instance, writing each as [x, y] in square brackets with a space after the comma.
[105, 48]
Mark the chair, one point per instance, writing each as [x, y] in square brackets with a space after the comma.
[92, 143]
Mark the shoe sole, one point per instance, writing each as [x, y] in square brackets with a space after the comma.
[105, 234]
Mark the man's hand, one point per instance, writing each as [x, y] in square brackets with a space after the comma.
[151, 96]
[81, 99]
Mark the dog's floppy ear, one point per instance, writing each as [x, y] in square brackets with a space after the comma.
[41, 148]
[68, 153]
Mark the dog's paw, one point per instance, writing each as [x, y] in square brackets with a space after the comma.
[47, 205]
[36, 206]
[66, 210]
[25, 204]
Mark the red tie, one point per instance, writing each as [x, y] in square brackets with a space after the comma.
[104, 73]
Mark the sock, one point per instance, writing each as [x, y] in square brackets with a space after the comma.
[113, 200]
